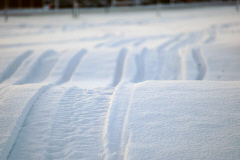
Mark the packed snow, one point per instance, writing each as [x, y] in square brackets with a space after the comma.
[121, 85]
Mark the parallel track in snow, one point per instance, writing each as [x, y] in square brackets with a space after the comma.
[90, 109]
[65, 123]
[104, 65]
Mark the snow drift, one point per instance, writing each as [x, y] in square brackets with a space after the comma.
[16, 101]
[121, 85]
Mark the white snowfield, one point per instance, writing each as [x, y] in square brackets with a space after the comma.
[121, 85]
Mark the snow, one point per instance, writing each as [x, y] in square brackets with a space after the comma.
[228, 66]
[174, 120]
[121, 85]
[105, 71]
[65, 67]
[34, 69]
[65, 123]
[16, 101]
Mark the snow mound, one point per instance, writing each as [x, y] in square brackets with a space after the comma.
[64, 123]
[174, 120]
[102, 105]
[15, 103]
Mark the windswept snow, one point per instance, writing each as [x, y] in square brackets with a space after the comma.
[121, 85]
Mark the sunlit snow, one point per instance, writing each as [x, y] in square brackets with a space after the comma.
[121, 85]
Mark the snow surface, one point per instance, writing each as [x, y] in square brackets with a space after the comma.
[174, 120]
[16, 101]
[65, 123]
[121, 85]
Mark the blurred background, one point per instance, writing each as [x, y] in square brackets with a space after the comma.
[56, 4]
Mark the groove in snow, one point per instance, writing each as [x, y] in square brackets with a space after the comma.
[34, 69]
[12, 67]
[65, 123]
[119, 67]
[15, 108]
[201, 63]
[115, 137]
[65, 66]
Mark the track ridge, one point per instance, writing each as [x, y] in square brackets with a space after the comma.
[170, 42]
[115, 140]
[119, 67]
[56, 143]
[139, 62]
[124, 133]
[200, 62]
[179, 42]
[182, 71]
[72, 65]
[24, 114]
[212, 35]
[12, 68]
[32, 63]
[150, 64]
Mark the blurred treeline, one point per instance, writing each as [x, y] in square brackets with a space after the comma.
[51, 4]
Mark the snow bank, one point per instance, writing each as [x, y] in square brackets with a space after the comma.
[15, 103]
[64, 123]
[116, 120]
[174, 120]
[151, 120]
